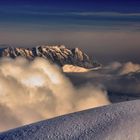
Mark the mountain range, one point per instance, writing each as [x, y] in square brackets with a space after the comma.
[58, 54]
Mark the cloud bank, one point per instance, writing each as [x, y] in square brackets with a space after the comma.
[32, 91]
[121, 80]
[130, 67]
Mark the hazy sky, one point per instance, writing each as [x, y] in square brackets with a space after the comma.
[109, 30]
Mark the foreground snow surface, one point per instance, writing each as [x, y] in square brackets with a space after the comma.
[114, 122]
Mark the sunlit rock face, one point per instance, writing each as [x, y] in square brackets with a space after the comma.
[56, 54]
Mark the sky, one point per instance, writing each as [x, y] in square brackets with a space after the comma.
[108, 30]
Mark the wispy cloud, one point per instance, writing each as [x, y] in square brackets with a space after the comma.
[30, 10]
[108, 14]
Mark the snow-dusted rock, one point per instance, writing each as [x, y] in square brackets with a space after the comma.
[114, 122]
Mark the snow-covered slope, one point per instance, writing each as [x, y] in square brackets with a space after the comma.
[114, 122]
[72, 68]
[77, 69]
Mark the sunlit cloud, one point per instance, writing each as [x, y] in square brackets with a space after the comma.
[32, 91]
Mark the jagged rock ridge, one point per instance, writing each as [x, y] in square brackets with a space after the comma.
[56, 54]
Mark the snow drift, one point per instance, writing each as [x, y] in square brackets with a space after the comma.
[118, 122]
[36, 90]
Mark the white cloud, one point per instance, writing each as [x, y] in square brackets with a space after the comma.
[37, 90]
